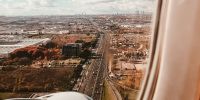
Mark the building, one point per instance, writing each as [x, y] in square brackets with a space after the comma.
[71, 50]
[9, 44]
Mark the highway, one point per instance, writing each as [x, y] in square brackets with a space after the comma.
[92, 80]
[97, 72]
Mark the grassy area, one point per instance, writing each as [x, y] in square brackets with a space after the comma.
[126, 94]
[129, 94]
[132, 95]
[5, 95]
[13, 95]
[108, 93]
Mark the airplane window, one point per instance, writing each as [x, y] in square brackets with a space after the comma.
[89, 49]
[174, 66]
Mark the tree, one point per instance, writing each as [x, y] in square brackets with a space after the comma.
[24, 61]
[79, 41]
[50, 45]
[38, 54]
[85, 54]
[88, 34]
[94, 42]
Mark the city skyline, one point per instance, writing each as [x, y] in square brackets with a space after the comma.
[72, 7]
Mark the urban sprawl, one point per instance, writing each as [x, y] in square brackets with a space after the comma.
[102, 56]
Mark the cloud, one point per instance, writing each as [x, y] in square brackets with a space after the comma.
[128, 5]
[61, 7]
[41, 3]
[102, 1]
[116, 6]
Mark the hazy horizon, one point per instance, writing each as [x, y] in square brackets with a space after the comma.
[72, 7]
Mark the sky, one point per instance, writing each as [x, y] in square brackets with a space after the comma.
[72, 7]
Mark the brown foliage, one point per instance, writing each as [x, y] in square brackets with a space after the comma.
[35, 80]
[26, 55]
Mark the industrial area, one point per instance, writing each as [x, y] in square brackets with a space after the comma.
[102, 56]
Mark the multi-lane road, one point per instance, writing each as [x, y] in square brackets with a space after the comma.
[93, 77]
[92, 80]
